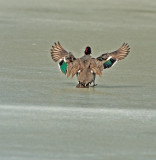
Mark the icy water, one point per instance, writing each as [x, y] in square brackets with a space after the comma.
[43, 116]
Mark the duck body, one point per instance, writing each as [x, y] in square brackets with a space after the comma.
[85, 75]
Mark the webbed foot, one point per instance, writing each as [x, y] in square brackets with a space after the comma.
[82, 85]
[93, 85]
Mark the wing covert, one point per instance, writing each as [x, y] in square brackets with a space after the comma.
[107, 60]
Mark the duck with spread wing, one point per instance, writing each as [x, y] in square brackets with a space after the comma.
[86, 68]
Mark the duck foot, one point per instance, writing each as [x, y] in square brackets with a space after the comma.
[82, 85]
[93, 85]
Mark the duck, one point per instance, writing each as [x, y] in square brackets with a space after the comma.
[86, 67]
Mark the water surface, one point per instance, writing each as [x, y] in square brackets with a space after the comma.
[43, 115]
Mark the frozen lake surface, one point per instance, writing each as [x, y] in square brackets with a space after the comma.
[43, 116]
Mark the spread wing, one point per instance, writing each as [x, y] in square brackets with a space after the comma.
[119, 54]
[58, 52]
[68, 64]
[107, 60]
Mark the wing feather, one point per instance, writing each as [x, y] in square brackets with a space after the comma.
[96, 66]
[57, 52]
[67, 62]
[107, 60]
[119, 54]
[73, 68]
